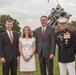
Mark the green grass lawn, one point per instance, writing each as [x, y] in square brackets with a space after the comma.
[56, 68]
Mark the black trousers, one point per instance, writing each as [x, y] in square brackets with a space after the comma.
[9, 66]
[45, 62]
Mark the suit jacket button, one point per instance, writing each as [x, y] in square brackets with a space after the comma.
[68, 51]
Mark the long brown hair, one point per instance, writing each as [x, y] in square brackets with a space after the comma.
[30, 32]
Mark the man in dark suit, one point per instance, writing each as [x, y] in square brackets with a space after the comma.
[45, 46]
[9, 49]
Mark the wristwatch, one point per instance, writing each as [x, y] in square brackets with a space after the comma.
[31, 55]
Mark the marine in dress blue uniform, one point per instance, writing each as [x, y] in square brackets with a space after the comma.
[66, 54]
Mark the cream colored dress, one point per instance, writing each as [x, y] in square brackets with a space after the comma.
[27, 50]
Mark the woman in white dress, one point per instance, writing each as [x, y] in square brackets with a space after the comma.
[27, 50]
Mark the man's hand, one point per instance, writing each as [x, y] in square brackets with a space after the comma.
[3, 60]
[37, 56]
[18, 58]
[51, 56]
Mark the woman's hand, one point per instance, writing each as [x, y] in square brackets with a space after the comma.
[27, 58]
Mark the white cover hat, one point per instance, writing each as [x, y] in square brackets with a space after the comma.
[62, 20]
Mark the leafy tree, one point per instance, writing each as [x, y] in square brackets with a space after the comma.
[3, 19]
[73, 23]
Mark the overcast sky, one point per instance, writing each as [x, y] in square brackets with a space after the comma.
[28, 12]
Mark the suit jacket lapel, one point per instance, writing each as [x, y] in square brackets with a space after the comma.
[40, 32]
[7, 36]
[13, 37]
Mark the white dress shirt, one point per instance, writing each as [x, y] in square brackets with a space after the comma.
[44, 28]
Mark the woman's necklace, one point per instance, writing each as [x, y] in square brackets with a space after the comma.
[26, 39]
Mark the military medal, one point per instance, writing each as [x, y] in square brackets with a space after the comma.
[66, 37]
[66, 41]
[61, 46]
